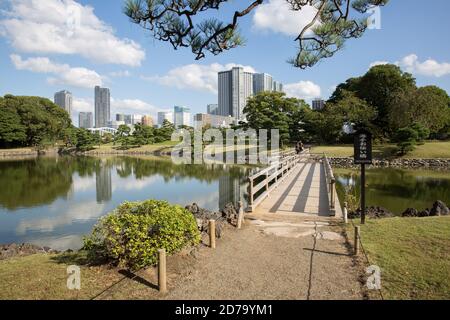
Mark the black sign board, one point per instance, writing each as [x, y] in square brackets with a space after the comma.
[363, 147]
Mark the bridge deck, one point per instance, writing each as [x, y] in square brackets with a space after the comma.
[302, 194]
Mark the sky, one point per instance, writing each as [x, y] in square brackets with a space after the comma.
[52, 45]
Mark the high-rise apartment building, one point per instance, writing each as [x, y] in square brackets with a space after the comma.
[262, 82]
[162, 116]
[102, 107]
[64, 99]
[85, 120]
[181, 116]
[212, 109]
[277, 86]
[235, 87]
[318, 104]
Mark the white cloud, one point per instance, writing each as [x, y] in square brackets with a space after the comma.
[429, 68]
[306, 90]
[66, 27]
[195, 76]
[120, 74]
[83, 105]
[277, 16]
[63, 74]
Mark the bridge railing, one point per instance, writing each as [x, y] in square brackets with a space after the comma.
[331, 184]
[263, 182]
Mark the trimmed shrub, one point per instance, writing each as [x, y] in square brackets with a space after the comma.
[131, 235]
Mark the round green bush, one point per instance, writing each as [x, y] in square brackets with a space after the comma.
[131, 235]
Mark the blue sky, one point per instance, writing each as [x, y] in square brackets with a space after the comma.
[50, 45]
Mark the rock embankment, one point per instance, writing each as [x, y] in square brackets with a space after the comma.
[438, 209]
[229, 215]
[394, 163]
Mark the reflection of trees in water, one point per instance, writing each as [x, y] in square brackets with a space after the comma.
[407, 185]
[32, 182]
[27, 183]
[141, 168]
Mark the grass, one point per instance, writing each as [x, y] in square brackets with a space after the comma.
[413, 254]
[429, 150]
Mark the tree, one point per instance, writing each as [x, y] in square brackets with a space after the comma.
[12, 132]
[165, 132]
[174, 21]
[85, 140]
[351, 110]
[38, 118]
[272, 110]
[406, 139]
[143, 134]
[378, 88]
[426, 106]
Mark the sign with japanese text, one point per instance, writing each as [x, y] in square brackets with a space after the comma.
[363, 147]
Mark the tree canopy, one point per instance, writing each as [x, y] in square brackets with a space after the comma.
[30, 121]
[189, 23]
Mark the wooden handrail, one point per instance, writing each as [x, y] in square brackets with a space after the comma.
[331, 184]
[273, 175]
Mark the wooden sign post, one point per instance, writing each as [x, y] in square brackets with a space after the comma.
[363, 156]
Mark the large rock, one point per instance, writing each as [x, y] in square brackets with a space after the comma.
[228, 215]
[372, 213]
[439, 209]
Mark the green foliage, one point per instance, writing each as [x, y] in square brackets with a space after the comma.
[85, 140]
[165, 132]
[272, 110]
[131, 235]
[31, 121]
[406, 139]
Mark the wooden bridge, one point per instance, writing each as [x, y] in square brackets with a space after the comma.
[296, 185]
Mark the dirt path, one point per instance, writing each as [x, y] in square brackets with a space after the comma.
[273, 260]
[267, 259]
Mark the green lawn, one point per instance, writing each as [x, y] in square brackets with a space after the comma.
[413, 254]
[430, 150]
[157, 147]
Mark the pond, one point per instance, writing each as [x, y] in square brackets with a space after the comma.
[397, 189]
[55, 201]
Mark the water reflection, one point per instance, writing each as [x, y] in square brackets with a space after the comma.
[54, 201]
[397, 189]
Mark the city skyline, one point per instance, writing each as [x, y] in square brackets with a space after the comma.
[144, 75]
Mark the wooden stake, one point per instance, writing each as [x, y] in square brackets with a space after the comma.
[241, 215]
[162, 277]
[357, 237]
[212, 234]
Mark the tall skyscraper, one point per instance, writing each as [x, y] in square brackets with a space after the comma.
[162, 116]
[262, 82]
[318, 104]
[102, 107]
[235, 87]
[64, 99]
[147, 121]
[85, 120]
[277, 86]
[181, 116]
[212, 109]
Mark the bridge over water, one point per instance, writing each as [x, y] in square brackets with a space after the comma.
[296, 186]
